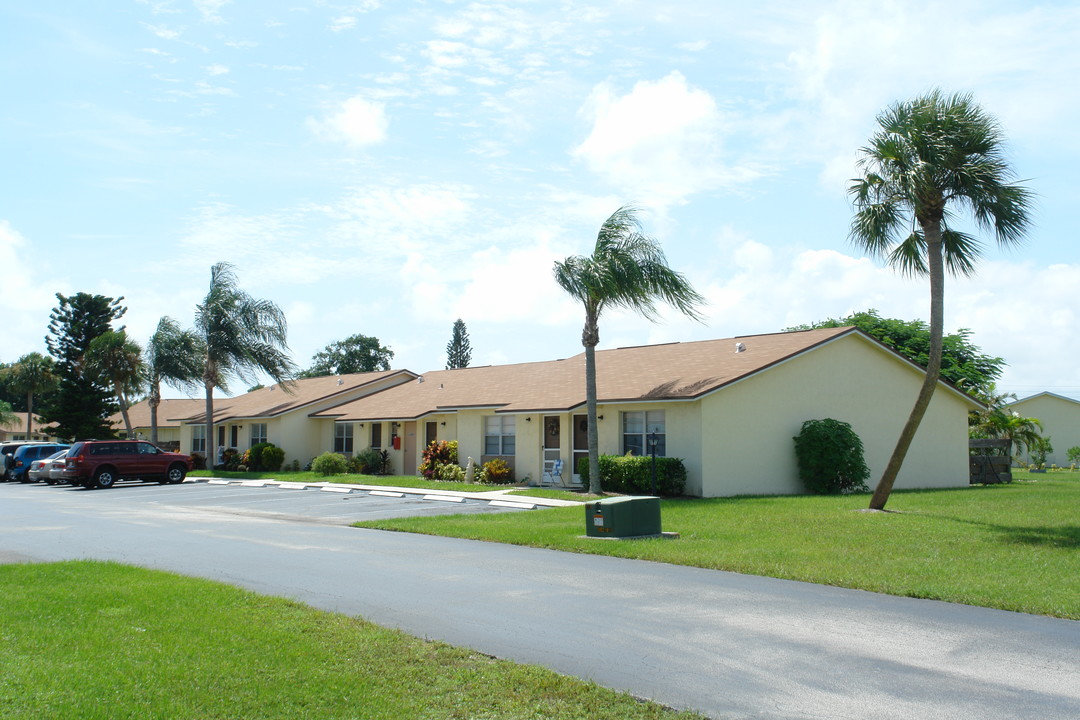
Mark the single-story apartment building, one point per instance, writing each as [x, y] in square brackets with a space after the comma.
[729, 408]
[16, 430]
[168, 426]
[280, 414]
[1060, 418]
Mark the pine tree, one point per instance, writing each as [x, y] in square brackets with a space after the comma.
[82, 404]
[458, 350]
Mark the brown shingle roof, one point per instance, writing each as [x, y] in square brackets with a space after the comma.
[652, 372]
[168, 412]
[275, 400]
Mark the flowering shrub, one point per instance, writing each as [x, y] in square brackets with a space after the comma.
[436, 455]
[496, 472]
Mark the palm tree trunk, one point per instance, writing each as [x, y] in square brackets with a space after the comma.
[590, 408]
[935, 263]
[210, 457]
[121, 399]
[29, 416]
[590, 338]
[154, 402]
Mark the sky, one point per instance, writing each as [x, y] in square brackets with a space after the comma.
[386, 168]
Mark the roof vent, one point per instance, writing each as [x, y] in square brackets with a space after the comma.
[340, 381]
[739, 347]
[420, 379]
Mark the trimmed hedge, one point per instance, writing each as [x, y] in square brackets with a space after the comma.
[632, 475]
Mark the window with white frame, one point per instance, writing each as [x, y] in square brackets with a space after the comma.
[343, 437]
[258, 433]
[499, 435]
[636, 428]
[198, 438]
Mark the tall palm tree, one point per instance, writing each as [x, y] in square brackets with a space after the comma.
[240, 336]
[33, 374]
[931, 154]
[626, 269]
[173, 356]
[115, 358]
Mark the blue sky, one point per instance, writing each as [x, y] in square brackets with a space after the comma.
[387, 167]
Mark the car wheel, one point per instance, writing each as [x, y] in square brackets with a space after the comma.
[104, 478]
[176, 474]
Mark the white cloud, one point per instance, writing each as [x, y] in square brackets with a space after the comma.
[359, 123]
[211, 9]
[216, 69]
[28, 294]
[162, 31]
[346, 22]
[661, 142]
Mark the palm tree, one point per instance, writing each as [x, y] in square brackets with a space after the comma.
[627, 269]
[240, 336]
[115, 358]
[7, 419]
[174, 356]
[932, 153]
[32, 374]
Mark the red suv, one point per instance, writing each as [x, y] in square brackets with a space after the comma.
[100, 463]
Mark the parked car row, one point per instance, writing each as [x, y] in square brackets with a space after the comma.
[93, 463]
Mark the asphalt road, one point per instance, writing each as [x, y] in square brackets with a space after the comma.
[731, 646]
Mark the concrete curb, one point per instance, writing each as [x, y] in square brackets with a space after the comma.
[496, 498]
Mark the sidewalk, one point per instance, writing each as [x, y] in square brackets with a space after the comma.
[503, 497]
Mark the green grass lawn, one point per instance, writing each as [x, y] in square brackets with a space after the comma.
[409, 481]
[101, 640]
[1015, 547]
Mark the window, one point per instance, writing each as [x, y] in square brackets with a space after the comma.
[343, 433]
[258, 433]
[499, 435]
[637, 427]
[198, 438]
[376, 435]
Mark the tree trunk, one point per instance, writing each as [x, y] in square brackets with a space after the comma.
[30, 416]
[590, 338]
[122, 401]
[154, 402]
[210, 457]
[936, 267]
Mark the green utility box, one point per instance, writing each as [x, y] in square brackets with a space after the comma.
[623, 517]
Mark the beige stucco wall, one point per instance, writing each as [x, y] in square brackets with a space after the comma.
[748, 427]
[1060, 418]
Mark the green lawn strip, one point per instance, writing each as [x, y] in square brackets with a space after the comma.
[407, 481]
[102, 640]
[1013, 547]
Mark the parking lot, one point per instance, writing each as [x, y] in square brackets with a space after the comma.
[312, 503]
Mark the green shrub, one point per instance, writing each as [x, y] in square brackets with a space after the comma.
[496, 472]
[437, 454]
[330, 464]
[366, 462]
[255, 457]
[451, 473]
[198, 461]
[632, 475]
[830, 456]
[272, 458]
[1073, 454]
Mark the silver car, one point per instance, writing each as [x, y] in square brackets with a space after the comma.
[42, 469]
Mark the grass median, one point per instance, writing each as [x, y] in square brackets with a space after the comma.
[1013, 547]
[102, 640]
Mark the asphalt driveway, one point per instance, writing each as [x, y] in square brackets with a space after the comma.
[732, 646]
